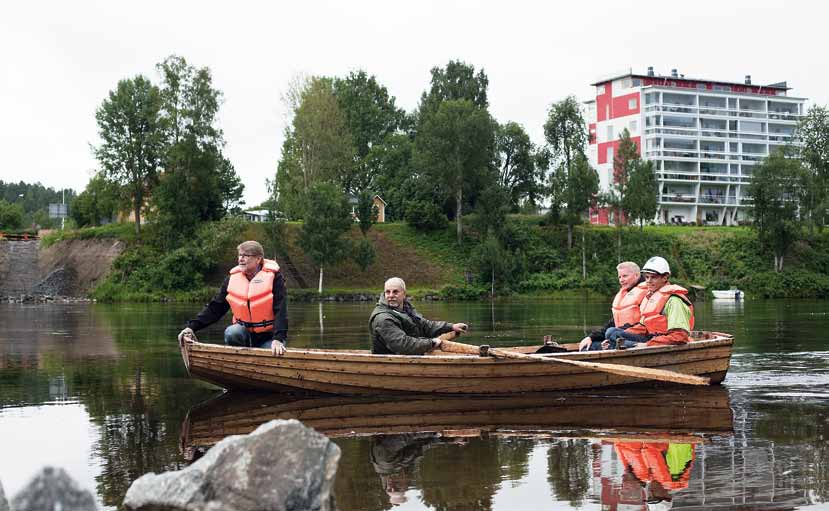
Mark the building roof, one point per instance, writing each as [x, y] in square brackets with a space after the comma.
[778, 85]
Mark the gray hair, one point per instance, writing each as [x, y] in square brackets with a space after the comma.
[395, 281]
[251, 247]
[629, 265]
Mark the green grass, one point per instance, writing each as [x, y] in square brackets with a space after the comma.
[120, 231]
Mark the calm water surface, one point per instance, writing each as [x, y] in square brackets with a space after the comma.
[101, 391]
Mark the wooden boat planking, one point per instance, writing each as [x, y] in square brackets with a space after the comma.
[635, 414]
[353, 372]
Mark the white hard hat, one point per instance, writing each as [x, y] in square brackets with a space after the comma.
[656, 265]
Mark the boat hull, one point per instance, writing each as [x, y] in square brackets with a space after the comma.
[355, 372]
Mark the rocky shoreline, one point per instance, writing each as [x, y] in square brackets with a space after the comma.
[26, 298]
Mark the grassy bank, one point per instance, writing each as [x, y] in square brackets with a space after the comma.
[434, 265]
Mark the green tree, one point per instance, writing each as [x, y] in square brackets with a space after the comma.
[327, 219]
[813, 137]
[566, 135]
[11, 216]
[394, 178]
[366, 211]
[98, 203]
[565, 130]
[625, 159]
[640, 200]
[370, 116]
[516, 161]
[198, 183]
[132, 139]
[457, 81]
[777, 189]
[364, 254]
[455, 145]
[324, 144]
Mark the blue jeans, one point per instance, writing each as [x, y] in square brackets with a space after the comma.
[629, 340]
[237, 335]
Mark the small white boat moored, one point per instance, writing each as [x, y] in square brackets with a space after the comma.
[729, 294]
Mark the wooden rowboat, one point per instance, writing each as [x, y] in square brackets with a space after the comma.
[644, 414]
[353, 372]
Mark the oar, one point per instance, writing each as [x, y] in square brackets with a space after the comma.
[646, 373]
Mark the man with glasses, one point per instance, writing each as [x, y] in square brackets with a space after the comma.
[666, 313]
[255, 292]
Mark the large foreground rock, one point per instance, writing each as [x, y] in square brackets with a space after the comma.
[53, 489]
[281, 466]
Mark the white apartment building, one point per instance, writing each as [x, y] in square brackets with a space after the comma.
[704, 137]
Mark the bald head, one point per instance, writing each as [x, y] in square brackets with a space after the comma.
[395, 292]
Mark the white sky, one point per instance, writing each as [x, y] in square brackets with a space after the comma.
[59, 60]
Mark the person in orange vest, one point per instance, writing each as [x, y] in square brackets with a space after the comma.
[255, 292]
[666, 315]
[625, 305]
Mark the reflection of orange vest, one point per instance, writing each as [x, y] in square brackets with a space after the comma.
[651, 308]
[252, 300]
[626, 305]
[647, 462]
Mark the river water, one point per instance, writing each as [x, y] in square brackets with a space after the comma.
[101, 391]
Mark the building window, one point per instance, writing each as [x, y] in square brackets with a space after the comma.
[634, 126]
[610, 154]
[632, 104]
[600, 90]
[637, 82]
[610, 133]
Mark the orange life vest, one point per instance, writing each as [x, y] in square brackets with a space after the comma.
[647, 462]
[252, 300]
[651, 309]
[626, 305]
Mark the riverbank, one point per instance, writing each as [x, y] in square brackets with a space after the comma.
[435, 267]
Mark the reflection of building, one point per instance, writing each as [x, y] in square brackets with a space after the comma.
[703, 136]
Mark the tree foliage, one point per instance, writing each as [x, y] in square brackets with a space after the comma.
[198, 183]
[625, 159]
[573, 183]
[366, 211]
[565, 130]
[640, 201]
[516, 161]
[327, 219]
[813, 137]
[778, 186]
[11, 216]
[35, 199]
[457, 81]
[455, 146]
[97, 204]
[129, 125]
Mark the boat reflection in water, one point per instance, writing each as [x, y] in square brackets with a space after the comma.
[639, 443]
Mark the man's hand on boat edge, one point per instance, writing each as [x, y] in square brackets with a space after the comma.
[277, 348]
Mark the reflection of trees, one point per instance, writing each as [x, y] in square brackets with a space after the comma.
[465, 477]
[357, 485]
[568, 463]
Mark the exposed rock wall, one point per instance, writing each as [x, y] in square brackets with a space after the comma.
[67, 268]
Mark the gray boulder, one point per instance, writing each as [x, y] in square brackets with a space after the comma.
[281, 466]
[4, 505]
[53, 489]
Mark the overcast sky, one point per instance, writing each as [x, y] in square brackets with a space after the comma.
[60, 59]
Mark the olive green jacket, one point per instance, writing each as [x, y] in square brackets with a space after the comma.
[402, 332]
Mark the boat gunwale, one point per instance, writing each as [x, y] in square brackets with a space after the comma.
[719, 339]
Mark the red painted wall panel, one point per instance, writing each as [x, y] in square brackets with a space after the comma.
[602, 155]
[620, 106]
[603, 102]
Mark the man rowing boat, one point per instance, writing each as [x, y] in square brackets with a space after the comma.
[397, 328]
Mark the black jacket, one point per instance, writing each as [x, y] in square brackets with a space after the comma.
[218, 307]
